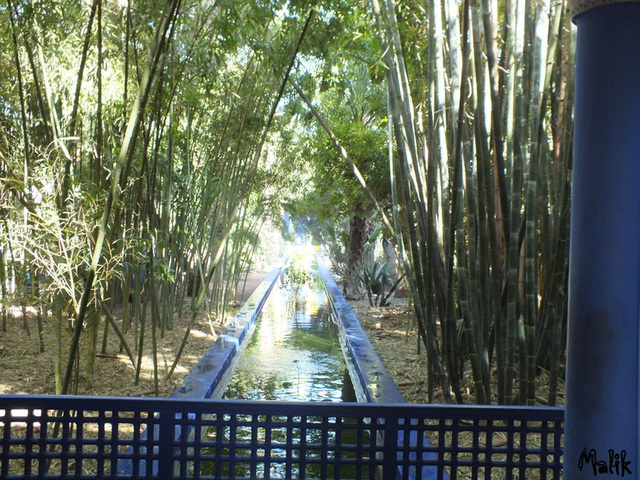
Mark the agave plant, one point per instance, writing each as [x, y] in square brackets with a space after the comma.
[376, 279]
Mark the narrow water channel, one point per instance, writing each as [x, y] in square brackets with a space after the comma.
[294, 353]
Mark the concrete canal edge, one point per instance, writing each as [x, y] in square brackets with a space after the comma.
[368, 373]
[209, 377]
[371, 380]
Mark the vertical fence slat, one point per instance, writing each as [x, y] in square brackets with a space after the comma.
[167, 426]
[390, 462]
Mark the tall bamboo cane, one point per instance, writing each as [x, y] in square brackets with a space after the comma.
[120, 172]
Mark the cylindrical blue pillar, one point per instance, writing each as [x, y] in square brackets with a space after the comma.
[601, 423]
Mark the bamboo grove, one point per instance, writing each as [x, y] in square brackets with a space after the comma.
[482, 124]
[144, 143]
[140, 126]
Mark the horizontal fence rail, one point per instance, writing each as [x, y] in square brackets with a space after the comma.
[114, 437]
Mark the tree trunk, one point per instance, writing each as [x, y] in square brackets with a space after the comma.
[358, 233]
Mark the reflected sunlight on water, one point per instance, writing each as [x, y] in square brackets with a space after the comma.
[294, 354]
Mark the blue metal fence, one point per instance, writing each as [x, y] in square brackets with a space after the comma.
[102, 437]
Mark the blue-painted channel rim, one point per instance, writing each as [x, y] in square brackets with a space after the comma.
[209, 377]
[372, 383]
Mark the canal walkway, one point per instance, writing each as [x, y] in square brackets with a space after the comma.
[247, 285]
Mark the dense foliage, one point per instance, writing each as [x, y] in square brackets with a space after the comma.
[144, 144]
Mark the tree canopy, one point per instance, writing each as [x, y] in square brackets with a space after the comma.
[144, 145]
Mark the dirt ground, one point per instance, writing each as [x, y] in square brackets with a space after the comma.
[248, 284]
[392, 332]
[23, 370]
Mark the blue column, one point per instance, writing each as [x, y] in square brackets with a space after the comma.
[601, 426]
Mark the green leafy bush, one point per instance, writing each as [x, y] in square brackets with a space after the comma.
[297, 276]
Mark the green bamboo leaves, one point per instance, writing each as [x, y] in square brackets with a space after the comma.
[132, 165]
[152, 193]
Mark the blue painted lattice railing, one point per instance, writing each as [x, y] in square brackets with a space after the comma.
[92, 437]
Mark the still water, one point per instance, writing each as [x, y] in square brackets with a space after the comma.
[294, 353]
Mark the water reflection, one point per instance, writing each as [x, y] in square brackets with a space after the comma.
[294, 354]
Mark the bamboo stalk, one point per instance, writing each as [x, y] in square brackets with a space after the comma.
[122, 165]
[66, 179]
[119, 333]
